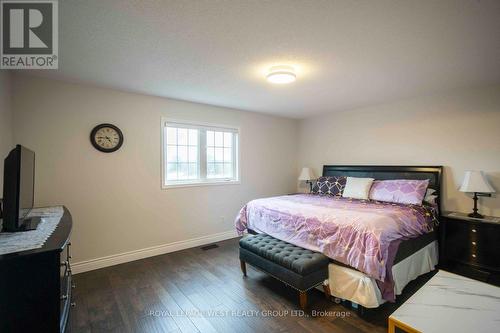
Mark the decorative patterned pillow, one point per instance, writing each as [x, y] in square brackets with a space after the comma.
[404, 191]
[330, 185]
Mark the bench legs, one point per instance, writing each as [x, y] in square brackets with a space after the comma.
[303, 296]
[303, 299]
[243, 267]
[326, 289]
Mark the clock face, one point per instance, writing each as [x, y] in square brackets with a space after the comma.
[106, 138]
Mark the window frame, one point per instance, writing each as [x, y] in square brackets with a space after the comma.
[202, 154]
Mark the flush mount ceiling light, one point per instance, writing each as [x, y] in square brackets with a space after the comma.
[281, 75]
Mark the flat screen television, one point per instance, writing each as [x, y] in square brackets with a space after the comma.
[18, 190]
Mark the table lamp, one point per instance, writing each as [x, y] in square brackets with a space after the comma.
[475, 182]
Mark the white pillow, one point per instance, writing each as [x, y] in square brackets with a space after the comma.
[357, 188]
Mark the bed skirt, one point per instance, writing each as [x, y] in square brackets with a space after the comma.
[352, 285]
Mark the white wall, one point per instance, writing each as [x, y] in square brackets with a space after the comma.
[116, 199]
[459, 130]
[6, 133]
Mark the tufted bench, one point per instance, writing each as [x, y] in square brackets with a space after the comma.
[297, 267]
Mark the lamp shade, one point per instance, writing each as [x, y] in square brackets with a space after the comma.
[306, 174]
[475, 181]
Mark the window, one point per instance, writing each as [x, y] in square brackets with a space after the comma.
[182, 153]
[199, 154]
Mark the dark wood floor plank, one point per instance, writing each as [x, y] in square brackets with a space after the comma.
[137, 298]
[217, 314]
[169, 304]
[104, 315]
[247, 311]
[187, 307]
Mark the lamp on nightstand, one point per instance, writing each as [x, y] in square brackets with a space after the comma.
[475, 182]
[308, 175]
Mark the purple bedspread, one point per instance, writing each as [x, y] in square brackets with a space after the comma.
[362, 234]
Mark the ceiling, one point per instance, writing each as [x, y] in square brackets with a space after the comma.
[347, 54]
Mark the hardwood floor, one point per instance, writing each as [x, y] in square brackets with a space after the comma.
[199, 290]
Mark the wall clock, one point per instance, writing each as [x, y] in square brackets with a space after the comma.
[106, 138]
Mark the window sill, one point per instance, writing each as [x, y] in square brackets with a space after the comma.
[207, 183]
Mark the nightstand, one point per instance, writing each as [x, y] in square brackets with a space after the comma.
[471, 246]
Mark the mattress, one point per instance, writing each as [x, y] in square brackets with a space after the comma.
[406, 248]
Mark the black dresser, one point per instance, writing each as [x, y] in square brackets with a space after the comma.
[35, 285]
[471, 247]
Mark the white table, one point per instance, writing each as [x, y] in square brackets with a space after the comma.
[449, 303]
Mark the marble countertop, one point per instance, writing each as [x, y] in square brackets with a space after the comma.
[452, 303]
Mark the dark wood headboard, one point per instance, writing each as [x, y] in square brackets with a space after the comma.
[384, 172]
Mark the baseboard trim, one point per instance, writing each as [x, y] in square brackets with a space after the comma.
[90, 265]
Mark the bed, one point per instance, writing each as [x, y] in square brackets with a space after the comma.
[375, 248]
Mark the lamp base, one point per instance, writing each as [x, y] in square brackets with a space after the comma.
[476, 215]
[310, 185]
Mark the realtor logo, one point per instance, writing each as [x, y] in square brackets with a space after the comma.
[29, 34]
